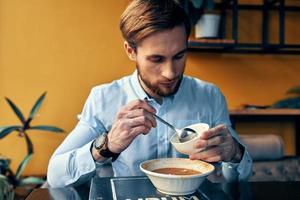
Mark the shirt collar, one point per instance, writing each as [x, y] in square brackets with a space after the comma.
[134, 80]
[180, 89]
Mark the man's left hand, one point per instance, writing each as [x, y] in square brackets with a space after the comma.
[218, 145]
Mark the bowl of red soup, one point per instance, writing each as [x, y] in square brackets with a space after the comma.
[176, 176]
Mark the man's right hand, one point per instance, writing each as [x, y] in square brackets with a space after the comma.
[132, 119]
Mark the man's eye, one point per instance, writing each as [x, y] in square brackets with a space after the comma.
[177, 57]
[157, 60]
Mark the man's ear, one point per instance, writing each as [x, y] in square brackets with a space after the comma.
[130, 51]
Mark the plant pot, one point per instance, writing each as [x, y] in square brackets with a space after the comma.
[208, 26]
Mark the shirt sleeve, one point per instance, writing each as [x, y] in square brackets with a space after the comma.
[238, 171]
[72, 163]
[231, 171]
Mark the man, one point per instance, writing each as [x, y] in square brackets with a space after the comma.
[155, 34]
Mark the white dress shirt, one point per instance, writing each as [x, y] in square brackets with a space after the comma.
[195, 101]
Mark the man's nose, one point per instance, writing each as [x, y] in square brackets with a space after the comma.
[169, 70]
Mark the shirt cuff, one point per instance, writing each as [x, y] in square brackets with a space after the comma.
[83, 161]
[238, 171]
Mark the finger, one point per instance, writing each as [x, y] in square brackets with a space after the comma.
[122, 124]
[151, 118]
[206, 154]
[199, 144]
[214, 131]
[127, 124]
[145, 105]
[128, 129]
[141, 112]
[227, 139]
[214, 141]
[139, 130]
[213, 159]
[140, 121]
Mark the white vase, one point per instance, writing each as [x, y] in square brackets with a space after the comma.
[207, 26]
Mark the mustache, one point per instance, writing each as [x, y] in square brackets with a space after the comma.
[173, 79]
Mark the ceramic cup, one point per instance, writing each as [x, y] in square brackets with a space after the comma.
[188, 146]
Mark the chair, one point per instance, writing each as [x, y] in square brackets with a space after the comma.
[269, 161]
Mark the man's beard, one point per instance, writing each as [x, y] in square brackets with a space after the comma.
[156, 89]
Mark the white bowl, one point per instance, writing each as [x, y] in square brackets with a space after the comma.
[176, 184]
[188, 146]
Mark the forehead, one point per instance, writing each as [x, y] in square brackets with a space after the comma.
[165, 42]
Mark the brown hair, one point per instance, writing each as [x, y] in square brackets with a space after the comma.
[144, 17]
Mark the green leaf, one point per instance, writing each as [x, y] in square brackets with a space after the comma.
[293, 102]
[31, 180]
[294, 90]
[4, 163]
[36, 106]
[3, 177]
[16, 110]
[5, 130]
[29, 144]
[47, 128]
[22, 165]
[6, 189]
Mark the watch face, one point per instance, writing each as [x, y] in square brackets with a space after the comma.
[100, 141]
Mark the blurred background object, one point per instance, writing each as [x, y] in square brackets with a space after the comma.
[69, 46]
[15, 179]
[290, 102]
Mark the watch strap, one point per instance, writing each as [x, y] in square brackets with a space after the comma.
[103, 149]
[105, 152]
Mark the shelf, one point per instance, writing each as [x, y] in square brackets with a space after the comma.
[264, 112]
[233, 45]
[219, 47]
[211, 42]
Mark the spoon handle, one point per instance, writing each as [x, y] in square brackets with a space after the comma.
[163, 121]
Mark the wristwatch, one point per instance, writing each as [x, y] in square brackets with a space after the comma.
[100, 144]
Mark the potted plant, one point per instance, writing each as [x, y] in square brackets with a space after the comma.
[203, 16]
[6, 189]
[293, 101]
[6, 174]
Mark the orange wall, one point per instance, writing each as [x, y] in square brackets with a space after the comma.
[66, 47]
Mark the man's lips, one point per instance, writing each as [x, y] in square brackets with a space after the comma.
[169, 83]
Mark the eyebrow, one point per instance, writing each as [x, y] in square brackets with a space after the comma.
[157, 55]
[181, 52]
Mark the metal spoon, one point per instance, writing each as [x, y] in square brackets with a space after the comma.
[184, 135]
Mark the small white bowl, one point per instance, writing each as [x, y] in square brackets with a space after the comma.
[176, 184]
[188, 146]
